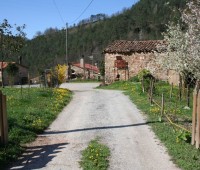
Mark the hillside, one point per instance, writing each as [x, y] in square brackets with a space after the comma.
[145, 20]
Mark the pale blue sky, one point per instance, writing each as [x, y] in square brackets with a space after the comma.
[39, 15]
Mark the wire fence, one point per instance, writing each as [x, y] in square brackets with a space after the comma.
[160, 102]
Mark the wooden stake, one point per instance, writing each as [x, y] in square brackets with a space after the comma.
[142, 85]
[188, 95]
[194, 117]
[125, 74]
[171, 90]
[198, 122]
[5, 120]
[162, 105]
[180, 91]
[1, 119]
[151, 91]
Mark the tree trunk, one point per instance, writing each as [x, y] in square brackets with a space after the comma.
[2, 78]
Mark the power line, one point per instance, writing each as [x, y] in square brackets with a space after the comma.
[83, 11]
[54, 2]
[59, 12]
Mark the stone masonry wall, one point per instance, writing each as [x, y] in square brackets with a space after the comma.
[136, 62]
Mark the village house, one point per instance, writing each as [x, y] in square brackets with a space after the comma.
[20, 78]
[124, 59]
[78, 70]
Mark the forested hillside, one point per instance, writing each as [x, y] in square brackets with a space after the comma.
[145, 20]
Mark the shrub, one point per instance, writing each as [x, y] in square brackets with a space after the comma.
[134, 79]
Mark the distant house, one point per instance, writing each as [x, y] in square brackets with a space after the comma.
[20, 78]
[124, 59]
[79, 69]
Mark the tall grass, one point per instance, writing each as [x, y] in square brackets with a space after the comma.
[29, 111]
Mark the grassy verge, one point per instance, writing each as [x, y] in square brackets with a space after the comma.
[176, 141]
[30, 111]
[95, 156]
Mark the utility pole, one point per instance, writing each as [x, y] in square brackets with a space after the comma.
[67, 62]
[66, 44]
[92, 58]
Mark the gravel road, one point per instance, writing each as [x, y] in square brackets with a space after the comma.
[107, 114]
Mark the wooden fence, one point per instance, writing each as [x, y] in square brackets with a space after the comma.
[196, 119]
[195, 115]
[3, 120]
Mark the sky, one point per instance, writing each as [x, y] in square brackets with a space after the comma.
[38, 15]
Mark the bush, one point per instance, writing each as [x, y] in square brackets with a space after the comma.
[145, 77]
[134, 79]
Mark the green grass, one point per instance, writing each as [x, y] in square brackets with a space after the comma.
[176, 140]
[95, 156]
[29, 113]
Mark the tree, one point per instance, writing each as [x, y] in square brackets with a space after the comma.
[12, 71]
[191, 16]
[176, 55]
[10, 43]
[183, 46]
[102, 68]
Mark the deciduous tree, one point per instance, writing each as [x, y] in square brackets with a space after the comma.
[12, 39]
[183, 46]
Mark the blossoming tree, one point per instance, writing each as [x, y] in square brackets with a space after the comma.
[183, 46]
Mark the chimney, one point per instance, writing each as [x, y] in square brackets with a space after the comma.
[82, 65]
[82, 61]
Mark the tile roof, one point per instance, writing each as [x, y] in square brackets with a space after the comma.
[87, 66]
[5, 64]
[124, 46]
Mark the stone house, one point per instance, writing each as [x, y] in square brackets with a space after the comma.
[124, 59]
[20, 78]
[78, 70]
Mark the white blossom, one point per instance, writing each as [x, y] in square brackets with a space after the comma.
[183, 47]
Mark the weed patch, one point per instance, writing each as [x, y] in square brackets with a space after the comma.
[95, 156]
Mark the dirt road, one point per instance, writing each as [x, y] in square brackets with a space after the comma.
[107, 114]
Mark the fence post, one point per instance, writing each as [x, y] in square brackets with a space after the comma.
[3, 119]
[171, 90]
[142, 85]
[198, 122]
[188, 95]
[151, 91]
[194, 116]
[162, 105]
[180, 91]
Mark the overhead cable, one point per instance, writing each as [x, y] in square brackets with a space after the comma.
[82, 12]
[59, 12]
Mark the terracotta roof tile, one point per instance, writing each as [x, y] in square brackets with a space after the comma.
[87, 66]
[124, 46]
[5, 64]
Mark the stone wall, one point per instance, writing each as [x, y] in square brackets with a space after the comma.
[136, 62]
[173, 77]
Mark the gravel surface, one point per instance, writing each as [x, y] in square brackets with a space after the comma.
[107, 114]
